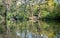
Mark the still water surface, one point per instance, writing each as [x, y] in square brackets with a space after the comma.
[34, 29]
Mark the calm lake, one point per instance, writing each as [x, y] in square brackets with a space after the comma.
[33, 29]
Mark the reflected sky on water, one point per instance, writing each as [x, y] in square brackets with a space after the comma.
[37, 29]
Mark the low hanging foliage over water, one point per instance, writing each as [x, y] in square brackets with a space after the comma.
[29, 18]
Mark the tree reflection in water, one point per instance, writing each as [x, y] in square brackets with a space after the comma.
[30, 29]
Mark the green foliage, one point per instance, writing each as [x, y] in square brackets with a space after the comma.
[44, 14]
[17, 14]
[2, 9]
[1, 29]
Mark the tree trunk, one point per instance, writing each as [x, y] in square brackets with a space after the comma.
[7, 30]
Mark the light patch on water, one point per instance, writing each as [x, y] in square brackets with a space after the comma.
[17, 33]
[18, 3]
[41, 34]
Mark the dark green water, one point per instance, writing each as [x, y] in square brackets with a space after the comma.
[33, 29]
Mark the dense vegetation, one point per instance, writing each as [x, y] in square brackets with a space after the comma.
[26, 9]
[14, 12]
